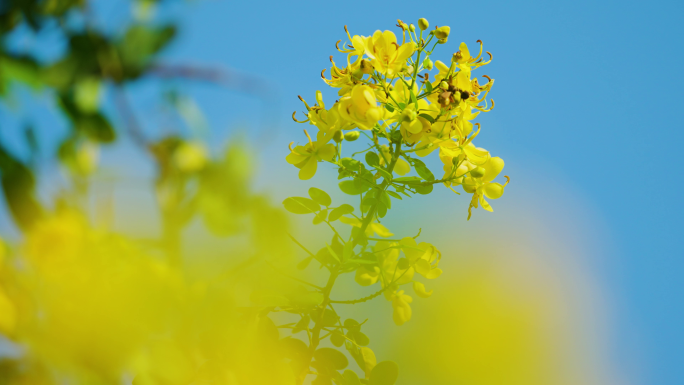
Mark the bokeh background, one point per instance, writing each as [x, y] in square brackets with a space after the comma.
[575, 277]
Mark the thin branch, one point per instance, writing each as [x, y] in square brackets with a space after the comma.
[293, 277]
[132, 126]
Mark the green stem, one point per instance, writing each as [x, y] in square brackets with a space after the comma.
[316, 331]
[371, 212]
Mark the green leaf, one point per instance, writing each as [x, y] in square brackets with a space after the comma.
[389, 107]
[352, 324]
[428, 86]
[339, 211]
[395, 195]
[320, 217]
[321, 197]
[352, 164]
[304, 263]
[359, 337]
[372, 159]
[300, 205]
[332, 252]
[353, 187]
[428, 118]
[385, 199]
[364, 357]
[422, 169]
[385, 174]
[408, 180]
[413, 98]
[337, 338]
[384, 373]
[332, 358]
[423, 189]
[140, 44]
[348, 251]
[349, 377]
[330, 318]
[382, 210]
[402, 106]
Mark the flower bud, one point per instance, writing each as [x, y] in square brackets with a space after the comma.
[443, 85]
[423, 24]
[427, 64]
[403, 264]
[338, 136]
[351, 136]
[442, 41]
[412, 28]
[409, 115]
[442, 33]
[467, 187]
[477, 172]
[366, 66]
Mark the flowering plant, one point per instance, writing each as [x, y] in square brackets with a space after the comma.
[388, 97]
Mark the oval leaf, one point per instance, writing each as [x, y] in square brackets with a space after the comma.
[352, 187]
[331, 358]
[339, 211]
[300, 205]
[372, 159]
[321, 197]
[384, 373]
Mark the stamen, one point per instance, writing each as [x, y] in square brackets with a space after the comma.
[290, 146]
[347, 31]
[310, 141]
[307, 105]
[298, 121]
[508, 179]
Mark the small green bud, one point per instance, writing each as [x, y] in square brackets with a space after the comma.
[403, 264]
[469, 188]
[423, 24]
[442, 32]
[443, 85]
[351, 136]
[427, 64]
[412, 28]
[338, 136]
[410, 115]
[477, 172]
[441, 41]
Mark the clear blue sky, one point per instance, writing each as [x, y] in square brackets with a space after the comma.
[589, 92]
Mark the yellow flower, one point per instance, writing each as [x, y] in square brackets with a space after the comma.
[8, 312]
[327, 121]
[306, 157]
[483, 186]
[402, 310]
[386, 55]
[191, 157]
[361, 107]
[424, 257]
[343, 78]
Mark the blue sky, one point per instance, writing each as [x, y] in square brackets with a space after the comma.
[588, 97]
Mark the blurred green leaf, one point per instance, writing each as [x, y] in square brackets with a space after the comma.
[331, 358]
[384, 373]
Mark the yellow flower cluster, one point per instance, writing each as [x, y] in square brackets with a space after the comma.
[87, 306]
[386, 90]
